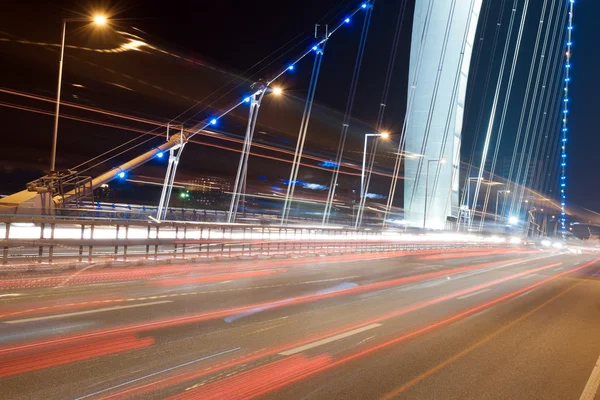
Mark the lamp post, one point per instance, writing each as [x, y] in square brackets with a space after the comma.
[441, 161]
[97, 20]
[363, 190]
[497, 197]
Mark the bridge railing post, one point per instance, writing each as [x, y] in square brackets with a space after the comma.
[6, 236]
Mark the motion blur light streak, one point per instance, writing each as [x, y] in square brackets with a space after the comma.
[476, 345]
[251, 383]
[430, 327]
[204, 133]
[13, 365]
[221, 313]
[163, 383]
[216, 278]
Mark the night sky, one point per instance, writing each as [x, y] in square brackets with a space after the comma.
[223, 41]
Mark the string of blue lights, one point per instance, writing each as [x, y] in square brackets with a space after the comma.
[565, 112]
[290, 66]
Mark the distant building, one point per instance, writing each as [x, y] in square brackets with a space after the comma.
[105, 193]
[209, 191]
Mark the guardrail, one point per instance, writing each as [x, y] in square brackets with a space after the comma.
[45, 241]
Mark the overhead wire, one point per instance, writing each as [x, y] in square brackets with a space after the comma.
[348, 112]
[555, 63]
[505, 107]
[524, 108]
[413, 82]
[471, 161]
[536, 105]
[492, 118]
[432, 103]
[383, 104]
[452, 114]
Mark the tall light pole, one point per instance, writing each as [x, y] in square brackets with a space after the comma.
[497, 197]
[441, 161]
[98, 20]
[383, 135]
[363, 190]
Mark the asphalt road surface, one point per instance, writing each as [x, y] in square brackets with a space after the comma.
[471, 324]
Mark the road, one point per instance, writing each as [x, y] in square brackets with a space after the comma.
[470, 324]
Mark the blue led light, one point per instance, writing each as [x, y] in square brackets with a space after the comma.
[291, 67]
[247, 100]
[364, 5]
[315, 48]
[213, 121]
[121, 174]
[159, 154]
[565, 112]
[347, 20]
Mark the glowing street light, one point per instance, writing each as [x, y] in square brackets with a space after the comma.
[383, 135]
[98, 20]
[277, 91]
[363, 190]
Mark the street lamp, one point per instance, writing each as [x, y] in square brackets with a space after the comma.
[277, 91]
[497, 196]
[441, 161]
[383, 135]
[98, 20]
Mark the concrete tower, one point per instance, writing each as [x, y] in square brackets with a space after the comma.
[440, 57]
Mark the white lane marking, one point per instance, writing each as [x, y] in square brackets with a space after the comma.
[466, 296]
[159, 372]
[71, 314]
[524, 294]
[11, 295]
[528, 276]
[328, 340]
[591, 388]
[559, 268]
[267, 328]
[332, 279]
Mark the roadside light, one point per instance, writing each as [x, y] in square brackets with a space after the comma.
[99, 19]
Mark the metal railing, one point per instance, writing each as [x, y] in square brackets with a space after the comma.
[50, 240]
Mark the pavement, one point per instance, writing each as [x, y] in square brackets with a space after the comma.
[472, 324]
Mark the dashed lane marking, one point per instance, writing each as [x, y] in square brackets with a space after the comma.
[330, 339]
[87, 303]
[72, 314]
